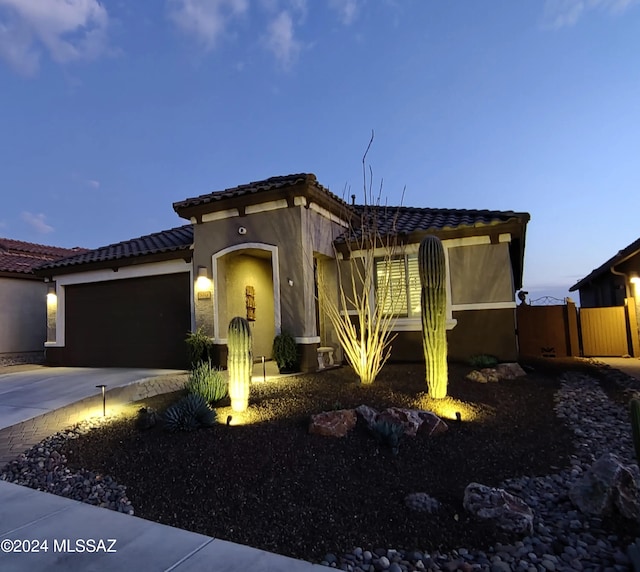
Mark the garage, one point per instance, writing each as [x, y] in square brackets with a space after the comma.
[137, 322]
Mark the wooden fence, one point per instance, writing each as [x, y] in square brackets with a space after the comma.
[564, 331]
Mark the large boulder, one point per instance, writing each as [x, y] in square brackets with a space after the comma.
[333, 423]
[498, 373]
[421, 502]
[509, 512]
[413, 421]
[606, 487]
[485, 375]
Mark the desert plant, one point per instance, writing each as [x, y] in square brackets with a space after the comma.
[208, 382]
[634, 407]
[147, 418]
[239, 363]
[199, 346]
[190, 413]
[285, 352]
[433, 300]
[388, 433]
[483, 360]
[363, 313]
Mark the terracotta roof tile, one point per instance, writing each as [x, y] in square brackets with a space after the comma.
[412, 219]
[256, 187]
[170, 240]
[22, 257]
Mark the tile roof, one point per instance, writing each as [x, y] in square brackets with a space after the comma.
[171, 240]
[412, 219]
[256, 187]
[623, 254]
[21, 257]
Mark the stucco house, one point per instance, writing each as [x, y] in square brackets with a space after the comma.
[23, 306]
[260, 250]
[613, 281]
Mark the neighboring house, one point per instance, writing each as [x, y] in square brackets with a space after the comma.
[259, 250]
[613, 281]
[23, 304]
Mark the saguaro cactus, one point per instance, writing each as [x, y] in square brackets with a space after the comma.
[239, 363]
[635, 426]
[433, 299]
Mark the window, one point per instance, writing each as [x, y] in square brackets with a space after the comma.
[398, 286]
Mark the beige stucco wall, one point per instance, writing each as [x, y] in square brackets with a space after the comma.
[298, 233]
[23, 315]
[480, 273]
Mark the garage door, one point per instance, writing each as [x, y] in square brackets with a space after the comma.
[138, 322]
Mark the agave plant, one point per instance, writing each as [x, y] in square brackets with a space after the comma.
[388, 433]
[190, 413]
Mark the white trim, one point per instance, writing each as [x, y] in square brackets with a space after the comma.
[307, 340]
[506, 237]
[219, 215]
[275, 272]
[415, 324]
[467, 241]
[485, 306]
[268, 206]
[326, 214]
[124, 272]
[300, 201]
[220, 341]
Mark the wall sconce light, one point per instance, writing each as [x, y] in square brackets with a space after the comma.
[634, 278]
[203, 283]
[51, 292]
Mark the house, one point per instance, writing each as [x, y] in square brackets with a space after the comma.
[612, 282]
[260, 250]
[23, 308]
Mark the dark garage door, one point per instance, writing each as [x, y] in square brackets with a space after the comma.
[138, 322]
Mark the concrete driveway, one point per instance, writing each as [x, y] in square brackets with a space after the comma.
[27, 394]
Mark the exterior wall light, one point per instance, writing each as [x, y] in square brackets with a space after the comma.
[634, 278]
[51, 293]
[203, 282]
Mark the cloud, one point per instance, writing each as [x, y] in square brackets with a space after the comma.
[68, 30]
[93, 183]
[561, 13]
[205, 19]
[347, 10]
[36, 222]
[280, 39]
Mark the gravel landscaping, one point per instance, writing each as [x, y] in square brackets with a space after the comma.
[270, 484]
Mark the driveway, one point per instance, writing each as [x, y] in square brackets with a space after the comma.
[27, 394]
[630, 366]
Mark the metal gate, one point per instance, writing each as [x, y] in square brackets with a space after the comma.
[604, 331]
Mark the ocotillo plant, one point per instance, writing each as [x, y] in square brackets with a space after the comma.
[239, 363]
[634, 406]
[433, 299]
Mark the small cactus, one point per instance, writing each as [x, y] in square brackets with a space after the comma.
[239, 363]
[634, 407]
[433, 299]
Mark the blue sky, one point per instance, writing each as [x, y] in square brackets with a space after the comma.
[112, 110]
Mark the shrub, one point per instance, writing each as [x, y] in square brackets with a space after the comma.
[388, 433]
[208, 382]
[199, 346]
[190, 413]
[285, 352]
[482, 361]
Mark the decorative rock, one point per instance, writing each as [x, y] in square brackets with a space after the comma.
[147, 418]
[413, 421]
[606, 486]
[421, 502]
[509, 512]
[333, 423]
[509, 370]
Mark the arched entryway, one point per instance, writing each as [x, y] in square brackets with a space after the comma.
[247, 284]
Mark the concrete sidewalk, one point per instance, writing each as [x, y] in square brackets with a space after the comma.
[73, 530]
[630, 366]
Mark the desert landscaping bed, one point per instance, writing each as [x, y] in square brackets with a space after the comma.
[270, 484]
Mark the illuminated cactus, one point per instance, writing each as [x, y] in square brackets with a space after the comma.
[239, 363]
[433, 300]
[635, 426]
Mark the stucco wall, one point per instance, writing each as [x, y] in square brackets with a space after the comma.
[23, 315]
